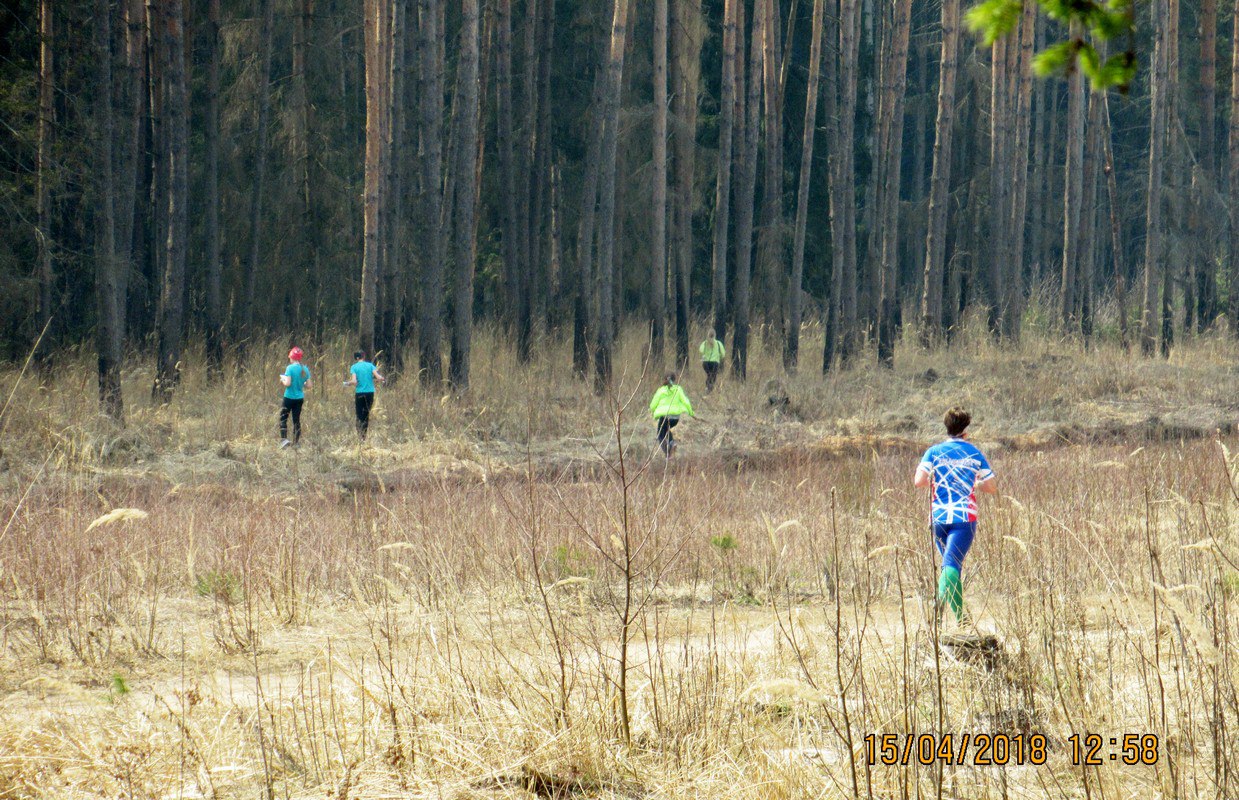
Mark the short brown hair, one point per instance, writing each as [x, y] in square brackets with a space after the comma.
[957, 421]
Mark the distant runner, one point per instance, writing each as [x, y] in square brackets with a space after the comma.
[712, 353]
[668, 405]
[363, 376]
[296, 380]
[956, 470]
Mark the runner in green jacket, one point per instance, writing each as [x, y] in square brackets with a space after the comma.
[712, 354]
[669, 404]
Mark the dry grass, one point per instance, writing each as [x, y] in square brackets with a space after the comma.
[262, 633]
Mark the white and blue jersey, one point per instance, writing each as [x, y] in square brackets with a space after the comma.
[955, 467]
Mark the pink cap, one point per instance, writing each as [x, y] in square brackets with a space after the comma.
[295, 354]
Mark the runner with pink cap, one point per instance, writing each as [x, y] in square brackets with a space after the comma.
[296, 379]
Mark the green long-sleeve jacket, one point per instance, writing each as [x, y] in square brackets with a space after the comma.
[670, 401]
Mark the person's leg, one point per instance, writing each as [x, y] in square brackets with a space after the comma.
[296, 414]
[285, 408]
[664, 430]
[671, 423]
[361, 404]
[954, 546]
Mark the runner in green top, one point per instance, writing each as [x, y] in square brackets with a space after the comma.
[667, 406]
[712, 353]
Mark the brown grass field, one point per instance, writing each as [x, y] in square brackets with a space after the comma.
[506, 595]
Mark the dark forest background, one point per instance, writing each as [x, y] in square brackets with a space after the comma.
[240, 171]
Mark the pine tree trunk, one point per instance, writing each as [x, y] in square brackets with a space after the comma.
[1116, 233]
[1153, 265]
[583, 318]
[1014, 282]
[214, 263]
[998, 211]
[933, 287]
[1233, 188]
[260, 170]
[43, 195]
[687, 44]
[1073, 177]
[658, 245]
[606, 198]
[540, 180]
[746, 190]
[528, 221]
[171, 322]
[1206, 283]
[507, 158]
[895, 79]
[792, 352]
[378, 75]
[108, 329]
[1171, 85]
[842, 337]
[1087, 234]
[770, 236]
[430, 305]
[467, 160]
[722, 186]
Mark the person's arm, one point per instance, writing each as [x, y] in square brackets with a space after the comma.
[989, 485]
[286, 380]
[687, 403]
[922, 479]
[378, 376]
[352, 379]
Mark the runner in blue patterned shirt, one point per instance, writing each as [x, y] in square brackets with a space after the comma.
[955, 471]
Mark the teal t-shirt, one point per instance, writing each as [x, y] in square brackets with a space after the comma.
[298, 376]
[363, 371]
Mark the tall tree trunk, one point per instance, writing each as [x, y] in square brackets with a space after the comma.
[933, 287]
[658, 244]
[507, 160]
[540, 181]
[260, 170]
[109, 331]
[722, 186]
[1153, 211]
[746, 190]
[1087, 234]
[430, 307]
[999, 181]
[467, 160]
[842, 336]
[687, 45]
[792, 351]
[1073, 177]
[1014, 282]
[214, 263]
[1206, 283]
[1233, 188]
[1116, 234]
[770, 237]
[301, 151]
[583, 318]
[606, 198]
[43, 195]
[895, 89]
[528, 221]
[378, 74]
[1171, 86]
[171, 322]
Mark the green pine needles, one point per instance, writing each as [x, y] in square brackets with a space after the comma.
[1105, 22]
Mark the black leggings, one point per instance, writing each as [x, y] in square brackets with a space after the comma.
[364, 401]
[291, 408]
[665, 437]
[712, 369]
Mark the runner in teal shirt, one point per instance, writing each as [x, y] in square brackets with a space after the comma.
[364, 374]
[296, 380]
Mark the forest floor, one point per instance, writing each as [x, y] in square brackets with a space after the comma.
[188, 611]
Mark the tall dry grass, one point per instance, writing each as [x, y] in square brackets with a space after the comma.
[726, 628]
